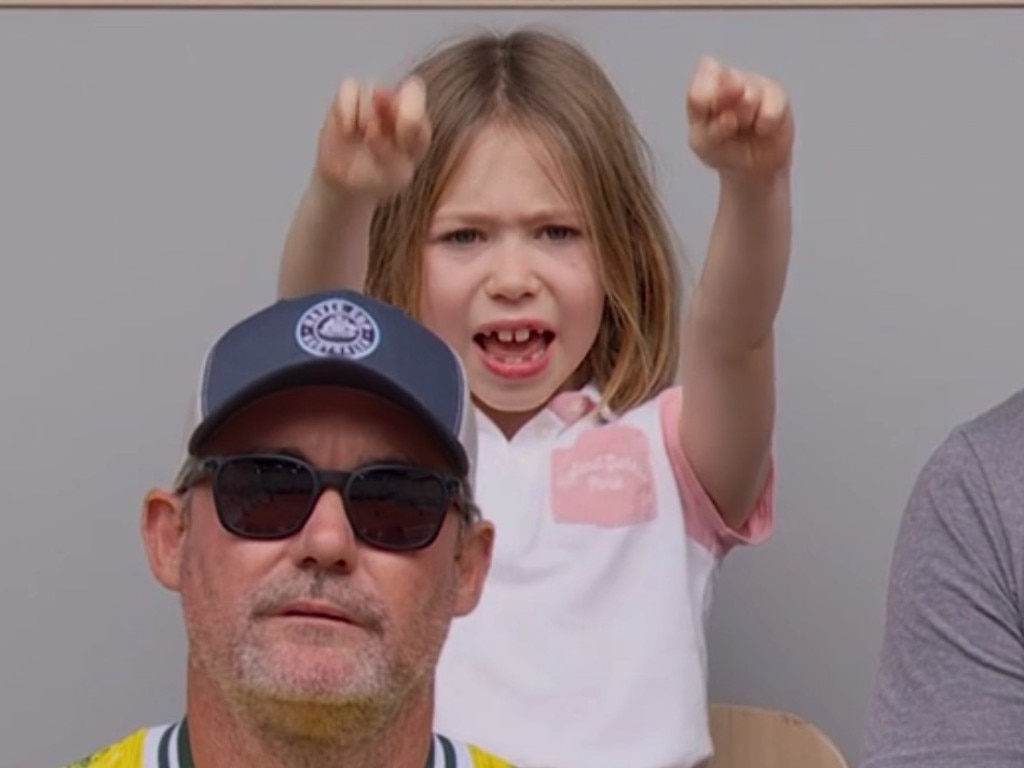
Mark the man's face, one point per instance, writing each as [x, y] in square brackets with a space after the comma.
[319, 616]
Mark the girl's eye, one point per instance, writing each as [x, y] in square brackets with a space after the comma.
[556, 232]
[461, 236]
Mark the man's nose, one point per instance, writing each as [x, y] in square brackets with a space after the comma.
[327, 539]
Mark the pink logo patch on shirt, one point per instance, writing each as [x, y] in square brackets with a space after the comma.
[604, 479]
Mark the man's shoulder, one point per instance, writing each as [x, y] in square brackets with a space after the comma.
[126, 753]
[451, 753]
[1002, 423]
[484, 759]
[990, 441]
[147, 747]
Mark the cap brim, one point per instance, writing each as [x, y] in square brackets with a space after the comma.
[331, 372]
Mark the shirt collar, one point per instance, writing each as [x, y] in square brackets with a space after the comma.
[566, 409]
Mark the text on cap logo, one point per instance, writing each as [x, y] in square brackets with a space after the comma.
[337, 327]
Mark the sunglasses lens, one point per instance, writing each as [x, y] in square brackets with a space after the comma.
[261, 497]
[397, 507]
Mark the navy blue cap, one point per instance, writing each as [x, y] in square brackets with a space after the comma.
[346, 339]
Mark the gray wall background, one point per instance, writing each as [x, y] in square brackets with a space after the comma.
[151, 160]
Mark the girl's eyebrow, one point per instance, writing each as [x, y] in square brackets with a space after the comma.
[470, 216]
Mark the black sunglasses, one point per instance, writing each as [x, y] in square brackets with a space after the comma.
[271, 496]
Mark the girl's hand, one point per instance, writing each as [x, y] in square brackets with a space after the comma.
[740, 122]
[372, 139]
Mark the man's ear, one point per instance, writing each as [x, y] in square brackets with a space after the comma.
[164, 523]
[473, 562]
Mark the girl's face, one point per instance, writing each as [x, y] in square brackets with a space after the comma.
[510, 276]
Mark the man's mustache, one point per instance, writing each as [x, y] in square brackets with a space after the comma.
[336, 592]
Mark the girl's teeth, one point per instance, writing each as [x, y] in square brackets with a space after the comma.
[519, 335]
[518, 359]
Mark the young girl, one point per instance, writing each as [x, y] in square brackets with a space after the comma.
[501, 195]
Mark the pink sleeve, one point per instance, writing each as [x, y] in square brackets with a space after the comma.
[703, 522]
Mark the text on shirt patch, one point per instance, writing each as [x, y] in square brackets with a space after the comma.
[603, 479]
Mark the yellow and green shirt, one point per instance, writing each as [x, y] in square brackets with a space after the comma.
[167, 746]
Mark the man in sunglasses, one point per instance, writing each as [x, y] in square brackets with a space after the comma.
[322, 536]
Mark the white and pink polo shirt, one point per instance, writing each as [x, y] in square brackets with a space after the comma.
[588, 647]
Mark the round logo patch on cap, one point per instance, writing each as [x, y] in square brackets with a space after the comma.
[337, 327]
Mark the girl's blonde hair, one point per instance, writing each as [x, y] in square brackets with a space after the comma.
[546, 85]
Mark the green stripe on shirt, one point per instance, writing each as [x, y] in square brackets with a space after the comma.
[184, 746]
[163, 756]
[449, 752]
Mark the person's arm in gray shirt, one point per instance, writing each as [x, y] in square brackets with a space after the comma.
[950, 689]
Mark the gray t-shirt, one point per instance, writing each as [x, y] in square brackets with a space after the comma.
[950, 689]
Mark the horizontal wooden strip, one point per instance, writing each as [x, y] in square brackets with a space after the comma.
[537, 4]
